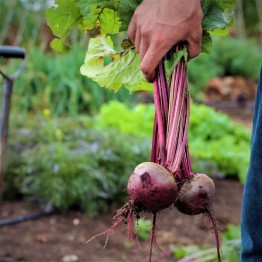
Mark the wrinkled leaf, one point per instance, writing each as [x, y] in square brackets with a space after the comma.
[122, 69]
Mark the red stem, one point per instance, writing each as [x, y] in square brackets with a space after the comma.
[154, 151]
[160, 124]
[172, 102]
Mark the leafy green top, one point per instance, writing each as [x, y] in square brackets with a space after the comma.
[110, 68]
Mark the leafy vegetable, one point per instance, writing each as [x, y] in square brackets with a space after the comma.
[123, 68]
[64, 162]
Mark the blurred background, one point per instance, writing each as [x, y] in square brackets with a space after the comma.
[72, 145]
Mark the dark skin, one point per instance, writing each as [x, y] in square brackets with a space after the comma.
[158, 25]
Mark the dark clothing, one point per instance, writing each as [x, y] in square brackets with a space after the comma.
[251, 220]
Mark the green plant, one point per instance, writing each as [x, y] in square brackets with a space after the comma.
[143, 228]
[215, 139]
[137, 121]
[64, 162]
[23, 23]
[232, 243]
[229, 56]
[231, 246]
[232, 233]
[216, 143]
[47, 152]
[237, 57]
[200, 70]
[184, 251]
[54, 82]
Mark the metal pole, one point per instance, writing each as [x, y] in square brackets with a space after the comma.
[7, 52]
[6, 105]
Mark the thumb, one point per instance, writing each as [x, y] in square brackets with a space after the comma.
[194, 46]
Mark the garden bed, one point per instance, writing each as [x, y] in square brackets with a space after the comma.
[50, 239]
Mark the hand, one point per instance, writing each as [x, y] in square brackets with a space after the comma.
[158, 25]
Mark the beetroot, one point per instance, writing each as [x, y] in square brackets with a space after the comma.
[152, 187]
[196, 195]
[168, 179]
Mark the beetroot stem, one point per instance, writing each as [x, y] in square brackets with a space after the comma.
[160, 124]
[164, 92]
[154, 151]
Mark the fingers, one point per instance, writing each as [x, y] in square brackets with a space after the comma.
[137, 41]
[152, 51]
[142, 44]
[194, 38]
[151, 59]
[153, 46]
[143, 47]
[131, 32]
[134, 34]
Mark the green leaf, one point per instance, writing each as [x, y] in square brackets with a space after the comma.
[122, 69]
[85, 5]
[228, 4]
[206, 45]
[217, 15]
[100, 14]
[58, 45]
[217, 18]
[173, 61]
[62, 18]
[126, 10]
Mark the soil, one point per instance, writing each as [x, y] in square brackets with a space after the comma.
[54, 238]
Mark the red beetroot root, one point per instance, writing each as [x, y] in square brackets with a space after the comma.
[152, 187]
[196, 195]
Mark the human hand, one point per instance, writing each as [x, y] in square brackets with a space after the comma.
[158, 25]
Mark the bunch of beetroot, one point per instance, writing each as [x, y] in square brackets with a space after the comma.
[168, 179]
